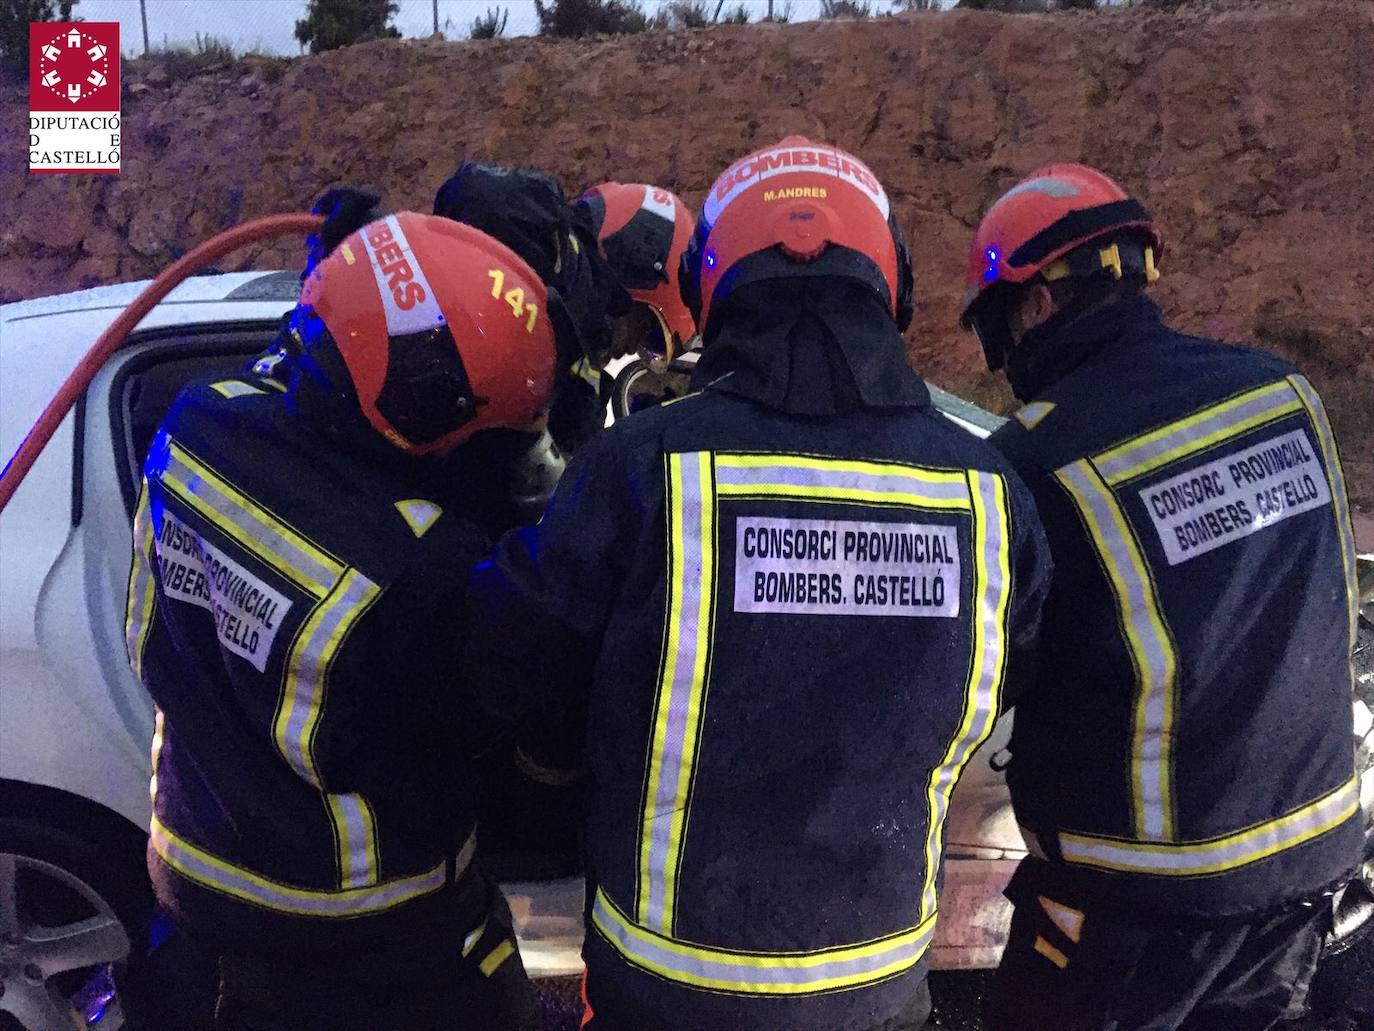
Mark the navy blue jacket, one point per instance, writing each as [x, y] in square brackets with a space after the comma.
[1187, 746]
[293, 610]
[784, 637]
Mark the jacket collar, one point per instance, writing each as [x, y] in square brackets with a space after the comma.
[1052, 351]
[811, 347]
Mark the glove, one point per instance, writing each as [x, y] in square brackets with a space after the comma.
[346, 209]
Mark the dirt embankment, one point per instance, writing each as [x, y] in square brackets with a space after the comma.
[1247, 127]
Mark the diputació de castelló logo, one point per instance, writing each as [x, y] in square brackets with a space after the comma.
[74, 109]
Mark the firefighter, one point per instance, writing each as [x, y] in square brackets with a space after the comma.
[643, 231]
[779, 611]
[300, 545]
[1182, 766]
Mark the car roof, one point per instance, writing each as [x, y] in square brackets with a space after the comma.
[272, 285]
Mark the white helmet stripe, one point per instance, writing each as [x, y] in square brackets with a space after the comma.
[661, 205]
[789, 160]
[407, 299]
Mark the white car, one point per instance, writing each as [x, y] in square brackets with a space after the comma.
[75, 725]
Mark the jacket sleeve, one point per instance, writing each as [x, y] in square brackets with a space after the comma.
[1032, 573]
[395, 681]
[538, 606]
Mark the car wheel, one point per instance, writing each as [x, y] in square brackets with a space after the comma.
[69, 911]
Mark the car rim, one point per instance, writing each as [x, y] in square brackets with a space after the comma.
[39, 962]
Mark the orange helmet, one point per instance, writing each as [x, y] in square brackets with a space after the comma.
[1040, 228]
[643, 231]
[796, 209]
[442, 330]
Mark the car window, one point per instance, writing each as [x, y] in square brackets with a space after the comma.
[154, 373]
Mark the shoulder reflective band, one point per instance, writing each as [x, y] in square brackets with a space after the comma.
[790, 973]
[839, 481]
[210, 871]
[250, 525]
[982, 697]
[1219, 854]
[1031, 415]
[682, 683]
[1345, 530]
[1198, 432]
[138, 616]
[1148, 641]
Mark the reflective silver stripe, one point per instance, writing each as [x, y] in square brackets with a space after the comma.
[1031, 415]
[465, 855]
[840, 968]
[159, 732]
[1341, 508]
[1218, 855]
[142, 598]
[672, 756]
[195, 864]
[745, 474]
[1199, 431]
[307, 669]
[232, 388]
[1149, 644]
[255, 529]
[992, 591]
[357, 840]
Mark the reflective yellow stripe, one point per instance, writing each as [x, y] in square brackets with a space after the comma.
[839, 481]
[357, 834]
[210, 871]
[1066, 918]
[250, 525]
[496, 957]
[760, 973]
[1148, 641]
[156, 754]
[1033, 414]
[682, 685]
[834, 466]
[142, 596]
[1198, 432]
[1217, 854]
[473, 937]
[232, 388]
[1051, 953]
[302, 703]
[1340, 507]
[991, 532]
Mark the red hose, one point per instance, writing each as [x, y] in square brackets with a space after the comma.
[109, 341]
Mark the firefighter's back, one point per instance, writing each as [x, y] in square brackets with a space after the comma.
[1205, 588]
[779, 721]
[305, 787]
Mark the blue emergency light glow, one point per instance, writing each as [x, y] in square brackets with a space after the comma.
[710, 259]
[990, 272]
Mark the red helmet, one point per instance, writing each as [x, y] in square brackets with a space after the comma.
[643, 231]
[443, 331]
[1038, 227]
[796, 208]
